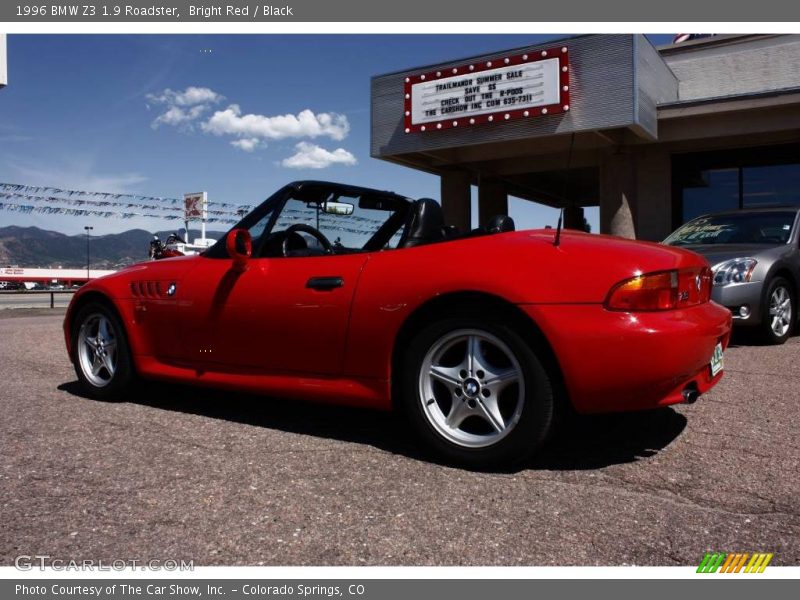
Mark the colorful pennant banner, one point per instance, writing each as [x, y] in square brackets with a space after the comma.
[103, 214]
[103, 203]
[106, 205]
[133, 198]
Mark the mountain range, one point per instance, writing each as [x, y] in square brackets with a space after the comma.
[34, 247]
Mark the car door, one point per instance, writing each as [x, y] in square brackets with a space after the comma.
[279, 315]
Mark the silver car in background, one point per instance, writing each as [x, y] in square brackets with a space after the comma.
[756, 262]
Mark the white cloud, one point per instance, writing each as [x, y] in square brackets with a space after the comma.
[191, 96]
[231, 121]
[182, 108]
[246, 144]
[311, 156]
[187, 108]
[176, 115]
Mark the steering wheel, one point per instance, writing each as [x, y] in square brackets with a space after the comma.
[315, 233]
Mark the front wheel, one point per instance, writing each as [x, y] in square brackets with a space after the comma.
[100, 352]
[476, 393]
[779, 312]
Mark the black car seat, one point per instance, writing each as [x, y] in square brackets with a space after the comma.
[500, 224]
[451, 231]
[497, 224]
[426, 225]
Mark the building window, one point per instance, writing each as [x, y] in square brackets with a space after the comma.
[774, 184]
[711, 190]
[734, 179]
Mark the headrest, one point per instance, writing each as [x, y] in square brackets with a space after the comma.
[427, 224]
[500, 224]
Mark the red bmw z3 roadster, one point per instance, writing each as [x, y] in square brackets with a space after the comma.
[350, 295]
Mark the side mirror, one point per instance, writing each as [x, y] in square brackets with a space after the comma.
[239, 245]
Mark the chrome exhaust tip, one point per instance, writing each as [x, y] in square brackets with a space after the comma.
[690, 394]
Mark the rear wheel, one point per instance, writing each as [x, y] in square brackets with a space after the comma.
[100, 352]
[779, 312]
[476, 393]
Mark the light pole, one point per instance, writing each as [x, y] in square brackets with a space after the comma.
[88, 232]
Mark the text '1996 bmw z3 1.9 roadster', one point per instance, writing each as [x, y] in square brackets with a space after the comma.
[354, 296]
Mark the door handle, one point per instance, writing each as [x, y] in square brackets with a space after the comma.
[325, 284]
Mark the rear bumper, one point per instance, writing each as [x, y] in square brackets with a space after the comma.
[617, 361]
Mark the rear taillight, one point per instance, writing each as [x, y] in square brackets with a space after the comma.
[663, 290]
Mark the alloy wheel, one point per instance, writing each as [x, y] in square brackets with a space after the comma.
[97, 350]
[780, 311]
[472, 388]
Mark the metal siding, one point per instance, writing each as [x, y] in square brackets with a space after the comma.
[748, 66]
[601, 89]
[655, 84]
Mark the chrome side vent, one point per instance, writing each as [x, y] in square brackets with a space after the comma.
[148, 289]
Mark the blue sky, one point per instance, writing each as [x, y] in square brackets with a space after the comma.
[117, 114]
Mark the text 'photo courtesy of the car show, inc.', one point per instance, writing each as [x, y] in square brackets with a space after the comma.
[339, 300]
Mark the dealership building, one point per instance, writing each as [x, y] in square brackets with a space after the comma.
[653, 136]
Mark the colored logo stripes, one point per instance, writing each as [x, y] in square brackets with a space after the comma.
[734, 562]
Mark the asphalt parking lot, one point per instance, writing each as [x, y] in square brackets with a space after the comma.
[240, 480]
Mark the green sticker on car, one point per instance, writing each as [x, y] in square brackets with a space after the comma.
[717, 360]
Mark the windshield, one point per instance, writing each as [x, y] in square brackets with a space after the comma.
[348, 231]
[735, 228]
[351, 219]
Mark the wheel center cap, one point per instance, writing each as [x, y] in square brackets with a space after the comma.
[471, 387]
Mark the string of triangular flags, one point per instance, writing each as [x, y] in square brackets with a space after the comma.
[110, 196]
[103, 203]
[107, 214]
[104, 214]
[108, 205]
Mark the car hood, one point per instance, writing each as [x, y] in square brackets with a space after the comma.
[717, 253]
[176, 265]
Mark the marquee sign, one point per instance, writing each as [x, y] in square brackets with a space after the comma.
[195, 206]
[513, 87]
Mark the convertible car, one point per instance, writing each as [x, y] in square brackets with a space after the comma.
[355, 296]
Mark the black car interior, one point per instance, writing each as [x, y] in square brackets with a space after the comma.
[500, 224]
[420, 221]
[426, 226]
[423, 224]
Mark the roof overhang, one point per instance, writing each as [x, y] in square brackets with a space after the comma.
[735, 102]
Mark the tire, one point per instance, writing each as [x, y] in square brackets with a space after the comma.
[100, 353]
[492, 411]
[778, 312]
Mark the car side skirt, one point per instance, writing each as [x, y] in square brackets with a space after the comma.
[366, 393]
